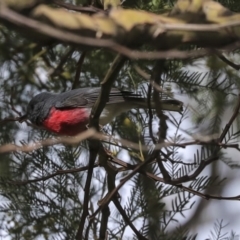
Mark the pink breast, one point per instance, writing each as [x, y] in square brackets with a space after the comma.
[68, 122]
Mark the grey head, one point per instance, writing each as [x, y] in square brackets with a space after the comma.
[39, 107]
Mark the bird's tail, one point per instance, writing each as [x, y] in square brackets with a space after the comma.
[168, 104]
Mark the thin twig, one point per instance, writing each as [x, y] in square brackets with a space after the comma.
[44, 178]
[78, 71]
[228, 62]
[150, 114]
[48, 142]
[148, 78]
[63, 60]
[231, 120]
[127, 220]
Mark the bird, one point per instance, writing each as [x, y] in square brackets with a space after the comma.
[67, 113]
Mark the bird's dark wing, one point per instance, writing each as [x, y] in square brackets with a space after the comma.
[86, 97]
[77, 98]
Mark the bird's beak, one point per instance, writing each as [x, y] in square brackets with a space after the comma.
[22, 118]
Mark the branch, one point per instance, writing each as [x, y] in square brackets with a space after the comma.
[91, 133]
[190, 190]
[93, 149]
[105, 90]
[162, 129]
[45, 31]
[94, 122]
[178, 184]
[95, 145]
[110, 195]
[104, 223]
